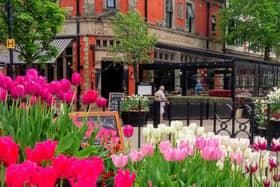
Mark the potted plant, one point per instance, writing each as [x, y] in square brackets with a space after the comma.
[134, 110]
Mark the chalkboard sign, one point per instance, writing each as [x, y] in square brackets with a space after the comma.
[108, 120]
[114, 100]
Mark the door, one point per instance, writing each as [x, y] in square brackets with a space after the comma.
[111, 78]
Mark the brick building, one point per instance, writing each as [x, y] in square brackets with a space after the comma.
[188, 23]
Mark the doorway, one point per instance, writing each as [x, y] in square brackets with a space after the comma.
[111, 78]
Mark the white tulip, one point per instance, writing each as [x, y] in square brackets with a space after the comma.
[156, 133]
[220, 164]
[150, 126]
[234, 143]
[210, 134]
[146, 132]
[225, 140]
[200, 131]
[193, 127]
[244, 143]
[178, 125]
[172, 130]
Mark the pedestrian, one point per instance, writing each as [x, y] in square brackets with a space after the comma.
[198, 88]
[160, 96]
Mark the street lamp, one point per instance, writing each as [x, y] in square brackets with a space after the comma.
[10, 29]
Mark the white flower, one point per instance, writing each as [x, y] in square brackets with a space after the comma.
[178, 125]
[220, 164]
[234, 143]
[156, 133]
[244, 143]
[150, 126]
[163, 129]
[146, 132]
[210, 134]
[193, 127]
[200, 131]
[172, 130]
[225, 140]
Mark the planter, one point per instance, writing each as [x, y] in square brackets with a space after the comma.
[134, 118]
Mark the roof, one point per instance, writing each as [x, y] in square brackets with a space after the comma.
[214, 54]
[61, 44]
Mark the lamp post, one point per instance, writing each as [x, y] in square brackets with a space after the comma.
[10, 29]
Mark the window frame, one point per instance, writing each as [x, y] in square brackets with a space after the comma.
[108, 2]
[188, 18]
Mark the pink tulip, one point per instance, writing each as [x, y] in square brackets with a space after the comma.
[63, 166]
[128, 131]
[164, 146]
[266, 183]
[42, 81]
[17, 91]
[253, 166]
[3, 94]
[54, 87]
[43, 151]
[20, 79]
[46, 177]
[9, 150]
[236, 158]
[18, 175]
[260, 144]
[29, 88]
[200, 143]
[32, 74]
[186, 147]
[172, 154]
[89, 97]
[275, 145]
[76, 79]
[119, 161]
[6, 82]
[136, 156]
[101, 102]
[212, 153]
[65, 85]
[69, 97]
[147, 149]
[272, 163]
[124, 179]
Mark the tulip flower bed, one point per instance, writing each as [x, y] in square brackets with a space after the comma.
[38, 150]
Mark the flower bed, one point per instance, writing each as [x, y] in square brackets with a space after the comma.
[38, 150]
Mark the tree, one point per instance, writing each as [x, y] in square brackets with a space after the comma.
[134, 45]
[254, 22]
[35, 24]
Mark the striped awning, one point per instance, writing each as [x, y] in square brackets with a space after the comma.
[61, 45]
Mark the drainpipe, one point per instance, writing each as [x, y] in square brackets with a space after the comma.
[146, 10]
[78, 49]
[208, 29]
[224, 43]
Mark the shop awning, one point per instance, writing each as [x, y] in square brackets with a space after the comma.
[61, 45]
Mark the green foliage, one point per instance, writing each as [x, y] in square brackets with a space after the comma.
[193, 170]
[255, 22]
[35, 24]
[134, 43]
[35, 124]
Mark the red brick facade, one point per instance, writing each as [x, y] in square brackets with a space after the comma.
[95, 28]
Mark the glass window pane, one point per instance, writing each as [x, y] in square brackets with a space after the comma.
[110, 3]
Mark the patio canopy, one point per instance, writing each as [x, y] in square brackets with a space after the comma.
[61, 45]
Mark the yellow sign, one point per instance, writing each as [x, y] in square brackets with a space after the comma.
[10, 43]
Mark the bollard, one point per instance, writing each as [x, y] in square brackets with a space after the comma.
[156, 113]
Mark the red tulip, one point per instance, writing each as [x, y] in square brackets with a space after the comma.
[18, 175]
[43, 151]
[9, 150]
[20, 79]
[29, 88]
[260, 144]
[65, 85]
[101, 102]
[89, 97]
[254, 168]
[63, 166]
[3, 94]
[42, 81]
[76, 79]
[124, 179]
[6, 82]
[128, 131]
[275, 145]
[46, 177]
